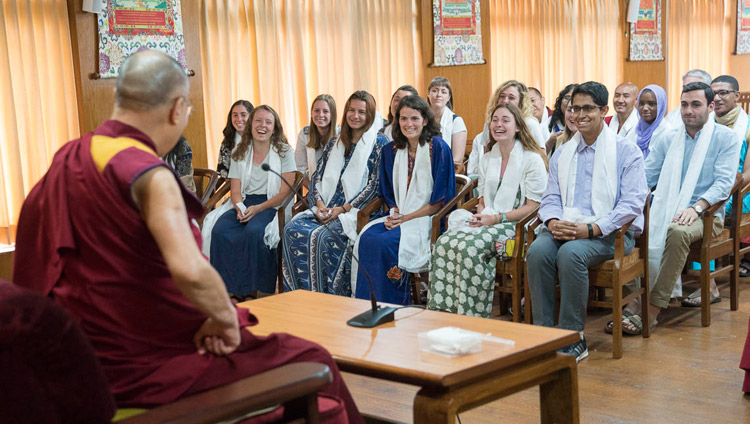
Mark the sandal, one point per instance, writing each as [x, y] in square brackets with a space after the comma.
[744, 268]
[609, 328]
[634, 325]
[694, 300]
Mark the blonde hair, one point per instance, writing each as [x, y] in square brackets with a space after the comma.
[524, 104]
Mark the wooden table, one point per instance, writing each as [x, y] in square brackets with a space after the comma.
[448, 385]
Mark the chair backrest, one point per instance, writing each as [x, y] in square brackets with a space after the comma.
[206, 182]
[744, 101]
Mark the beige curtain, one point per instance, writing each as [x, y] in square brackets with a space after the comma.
[551, 43]
[38, 109]
[285, 52]
[699, 36]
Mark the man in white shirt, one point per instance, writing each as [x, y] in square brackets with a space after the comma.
[694, 75]
[626, 117]
[541, 113]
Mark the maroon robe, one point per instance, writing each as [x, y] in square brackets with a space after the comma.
[745, 361]
[81, 238]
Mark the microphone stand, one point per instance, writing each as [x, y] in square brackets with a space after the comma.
[377, 314]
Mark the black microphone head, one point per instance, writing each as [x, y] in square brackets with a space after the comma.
[265, 167]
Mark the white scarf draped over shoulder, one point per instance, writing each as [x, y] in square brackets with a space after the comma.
[446, 127]
[672, 192]
[604, 180]
[354, 177]
[628, 127]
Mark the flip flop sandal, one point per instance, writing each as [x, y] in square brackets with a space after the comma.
[694, 300]
[744, 269]
[609, 328]
[632, 325]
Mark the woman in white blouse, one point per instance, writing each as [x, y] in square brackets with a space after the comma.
[313, 138]
[452, 126]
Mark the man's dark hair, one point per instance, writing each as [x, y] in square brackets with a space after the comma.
[693, 86]
[732, 81]
[597, 91]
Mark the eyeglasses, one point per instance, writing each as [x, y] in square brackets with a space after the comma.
[724, 93]
[586, 109]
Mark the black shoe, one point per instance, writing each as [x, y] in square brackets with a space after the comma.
[578, 349]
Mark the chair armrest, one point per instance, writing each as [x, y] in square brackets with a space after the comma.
[217, 196]
[300, 206]
[521, 231]
[363, 215]
[277, 386]
[708, 214]
[295, 189]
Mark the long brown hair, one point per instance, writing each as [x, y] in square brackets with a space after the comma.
[278, 139]
[347, 133]
[524, 135]
[316, 141]
[229, 130]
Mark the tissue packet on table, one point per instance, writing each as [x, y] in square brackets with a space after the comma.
[450, 341]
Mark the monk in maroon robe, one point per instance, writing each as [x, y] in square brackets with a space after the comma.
[745, 362]
[111, 234]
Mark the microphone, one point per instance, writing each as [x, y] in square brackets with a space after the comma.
[377, 314]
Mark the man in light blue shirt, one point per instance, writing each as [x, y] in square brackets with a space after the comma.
[576, 234]
[714, 183]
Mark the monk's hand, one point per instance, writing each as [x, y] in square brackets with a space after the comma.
[685, 216]
[217, 337]
[563, 230]
[481, 220]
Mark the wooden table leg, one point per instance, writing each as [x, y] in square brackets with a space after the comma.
[559, 396]
[429, 408]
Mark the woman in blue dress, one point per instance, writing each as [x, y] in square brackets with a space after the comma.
[318, 257]
[244, 239]
[416, 179]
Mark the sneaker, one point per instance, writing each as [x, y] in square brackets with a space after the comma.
[578, 349]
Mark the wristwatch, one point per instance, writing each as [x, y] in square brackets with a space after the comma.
[698, 209]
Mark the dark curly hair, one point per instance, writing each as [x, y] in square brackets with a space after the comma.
[408, 88]
[229, 130]
[278, 139]
[420, 105]
[558, 114]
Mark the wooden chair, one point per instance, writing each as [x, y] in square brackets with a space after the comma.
[464, 188]
[206, 181]
[298, 177]
[710, 248]
[743, 230]
[220, 192]
[509, 274]
[614, 274]
[744, 101]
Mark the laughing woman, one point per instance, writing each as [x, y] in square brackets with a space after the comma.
[313, 138]
[512, 180]
[316, 257]
[452, 126]
[244, 239]
[416, 179]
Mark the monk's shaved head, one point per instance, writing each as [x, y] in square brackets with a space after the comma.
[628, 86]
[625, 97]
[148, 79]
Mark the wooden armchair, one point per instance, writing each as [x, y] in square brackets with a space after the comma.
[206, 181]
[710, 248]
[220, 192]
[464, 187]
[744, 101]
[614, 274]
[298, 177]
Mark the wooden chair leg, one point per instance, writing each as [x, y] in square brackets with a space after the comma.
[516, 297]
[528, 317]
[616, 317]
[645, 301]
[734, 293]
[705, 280]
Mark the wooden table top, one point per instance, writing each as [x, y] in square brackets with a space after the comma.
[391, 350]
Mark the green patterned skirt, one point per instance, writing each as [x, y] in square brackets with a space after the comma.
[462, 276]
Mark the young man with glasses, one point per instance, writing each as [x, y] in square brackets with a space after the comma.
[693, 170]
[597, 184]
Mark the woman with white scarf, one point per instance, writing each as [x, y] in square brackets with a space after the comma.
[512, 180]
[244, 239]
[313, 138]
[345, 180]
[452, 126]
[416, 179]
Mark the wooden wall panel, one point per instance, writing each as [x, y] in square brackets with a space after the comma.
[642, 73]
[6, 265]
[738, 65]
[472, 84]
[96, 97]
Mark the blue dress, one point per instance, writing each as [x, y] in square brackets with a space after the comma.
[313, 258]
[380, 246]
[237, 250]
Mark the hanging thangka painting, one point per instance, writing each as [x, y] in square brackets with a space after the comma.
[457, 32]
[743, 27]
[128, 26]
[645, 34]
